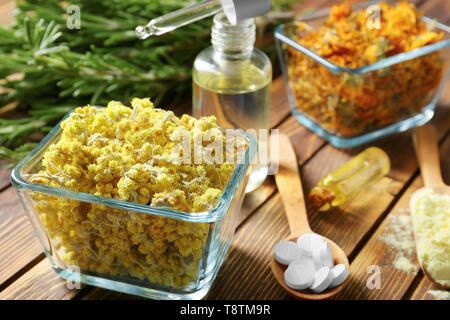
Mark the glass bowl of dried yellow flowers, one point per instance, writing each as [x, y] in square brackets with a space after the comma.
[120, 199]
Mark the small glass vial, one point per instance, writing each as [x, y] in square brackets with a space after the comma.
[362, 170]
[231, 80]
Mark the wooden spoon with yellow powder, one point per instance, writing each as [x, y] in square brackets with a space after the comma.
[430, 210]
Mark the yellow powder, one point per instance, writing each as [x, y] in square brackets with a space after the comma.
[431, 220]
[404, 263]
[398, 236]
[440, 294]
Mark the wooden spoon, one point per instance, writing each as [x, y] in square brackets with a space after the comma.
[291, 191]
[427, 151]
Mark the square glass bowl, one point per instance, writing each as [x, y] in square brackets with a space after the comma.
[353, 106]
[75, 227]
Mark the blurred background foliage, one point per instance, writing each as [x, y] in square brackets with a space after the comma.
[46, 69]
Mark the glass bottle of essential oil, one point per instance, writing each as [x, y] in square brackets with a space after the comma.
[231, 80]
[362, 170]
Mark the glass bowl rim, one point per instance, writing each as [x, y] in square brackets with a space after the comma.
[209, 216]
[383, 63]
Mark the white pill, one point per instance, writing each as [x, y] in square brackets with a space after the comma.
[309, 242]
[326, 255]
[317, 259]
[306, 260]
[286, 251]
[340, 274]
[298, 276]
[321, 280]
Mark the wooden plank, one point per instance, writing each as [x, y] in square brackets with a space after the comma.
[6, 11]
[245, 273]
[427, 290]
[348, 224]
[444, 150]
[305, 144]
[4, 175]
[18, 244]
[399, 146]
[304, 141]
[254, 199]
[279, 105]
[102, 294]
[394, 282]
[437, 9]
[279, 110]
[39, 284]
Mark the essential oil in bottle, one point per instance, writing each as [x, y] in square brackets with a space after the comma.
[231, 80]
[362, 170]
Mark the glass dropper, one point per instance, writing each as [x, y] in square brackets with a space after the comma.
[179, 18]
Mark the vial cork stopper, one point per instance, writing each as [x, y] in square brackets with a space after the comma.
[240, 10]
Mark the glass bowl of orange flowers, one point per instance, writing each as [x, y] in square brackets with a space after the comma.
[356, 74]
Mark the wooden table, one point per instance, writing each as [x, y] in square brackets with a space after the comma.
[245, 274]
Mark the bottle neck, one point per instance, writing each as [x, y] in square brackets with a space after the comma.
[232, 42]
